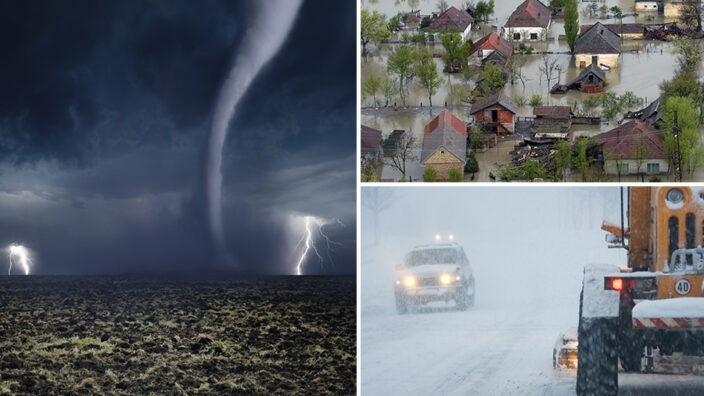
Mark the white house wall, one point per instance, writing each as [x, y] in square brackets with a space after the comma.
[525, 33]
[633, 167]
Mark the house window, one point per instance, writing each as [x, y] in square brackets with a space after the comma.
[480, 53]
[624, 169]
[534, 36]
[442, 151]
[654, 168]
[516, 36]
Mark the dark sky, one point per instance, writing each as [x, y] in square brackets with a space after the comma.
[105, 108]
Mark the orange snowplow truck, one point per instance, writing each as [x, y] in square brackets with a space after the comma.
[657, 301]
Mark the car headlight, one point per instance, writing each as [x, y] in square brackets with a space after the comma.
[446, 279]
[409, 281]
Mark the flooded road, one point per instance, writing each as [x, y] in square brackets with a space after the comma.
[642, 65]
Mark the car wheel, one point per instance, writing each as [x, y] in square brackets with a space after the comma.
[401, 305]
[631, 344]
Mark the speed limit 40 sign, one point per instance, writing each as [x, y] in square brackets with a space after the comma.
[683, 287]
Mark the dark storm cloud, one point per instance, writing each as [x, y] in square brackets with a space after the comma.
[104, 111]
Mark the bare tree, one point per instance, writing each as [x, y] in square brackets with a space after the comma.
[515, 69]
[376, 200]
[442, 6]
[405, 151]
[640, 153]
[548, 67]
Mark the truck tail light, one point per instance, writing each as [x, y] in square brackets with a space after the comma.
[617, 284]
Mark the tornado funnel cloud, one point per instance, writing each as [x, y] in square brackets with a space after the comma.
[267, 29]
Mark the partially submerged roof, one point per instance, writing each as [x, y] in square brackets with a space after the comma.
[598, 39]
[494, 41]
[618, 28]
[371, 140]
[451, 18]
[552, 111]
[447, 131]
[497, 98]
[619, 142]
[531, 13]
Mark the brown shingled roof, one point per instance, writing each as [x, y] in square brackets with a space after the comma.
[452, 17]
[619, 142]
[497, 98]
[598, 40]
[618, 28]
[552, 111]
[530, 13]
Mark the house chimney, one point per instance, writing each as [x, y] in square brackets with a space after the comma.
[595, 60]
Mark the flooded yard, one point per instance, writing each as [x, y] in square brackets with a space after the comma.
[642, 65]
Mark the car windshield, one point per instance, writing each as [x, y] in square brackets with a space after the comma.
[432, 256]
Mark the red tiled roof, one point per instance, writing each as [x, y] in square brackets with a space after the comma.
[531, 13]
[452, 17]
[445, 117]
[619, 142]
[495, 42]
[446, 131]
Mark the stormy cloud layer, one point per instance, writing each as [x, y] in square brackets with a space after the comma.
[104, 114]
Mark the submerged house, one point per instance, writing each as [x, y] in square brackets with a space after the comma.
[496, 112]
[391, 142]
[652, 114]
[632, 143]
[551, 122]
[599, 41]
[371, 142]
[444, 145]
[491, 46]
[673, 8]
[632, 31]
[530, 21]
[452, 20]
[590, 80]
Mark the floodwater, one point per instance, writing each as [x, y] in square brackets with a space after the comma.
[643, 64]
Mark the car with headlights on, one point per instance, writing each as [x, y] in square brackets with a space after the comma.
[564, 353]
[436, 272]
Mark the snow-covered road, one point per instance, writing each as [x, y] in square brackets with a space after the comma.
[482, 351]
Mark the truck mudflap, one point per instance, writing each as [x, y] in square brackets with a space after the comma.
[670, 314]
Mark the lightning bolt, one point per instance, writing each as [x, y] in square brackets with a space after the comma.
[19, 253]
[308, 241]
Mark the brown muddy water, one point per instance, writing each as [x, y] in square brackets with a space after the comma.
[643, 64]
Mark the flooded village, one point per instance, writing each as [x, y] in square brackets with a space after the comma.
[513, 90]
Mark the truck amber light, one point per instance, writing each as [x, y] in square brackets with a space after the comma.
[617, 284]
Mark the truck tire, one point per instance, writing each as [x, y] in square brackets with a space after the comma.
[630, 343]
[464, 299]
[401, 305]
[597, 368]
